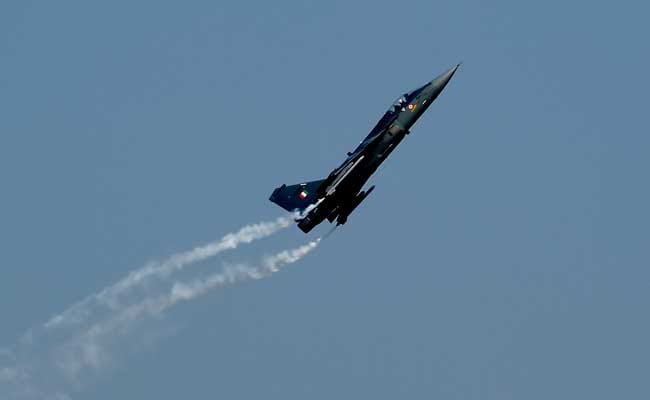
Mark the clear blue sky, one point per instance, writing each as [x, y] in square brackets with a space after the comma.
[503, 255]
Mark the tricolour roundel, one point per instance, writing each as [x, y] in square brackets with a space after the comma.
[303, 194]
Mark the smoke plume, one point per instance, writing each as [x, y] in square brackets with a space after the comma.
[90, 351]
[110, 296]
[75, 347]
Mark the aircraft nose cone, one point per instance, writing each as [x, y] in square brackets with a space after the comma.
[439, 83]
[445, 77]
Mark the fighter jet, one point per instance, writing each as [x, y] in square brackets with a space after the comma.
[335, 197]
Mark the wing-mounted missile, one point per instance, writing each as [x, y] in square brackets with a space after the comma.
[347, 210]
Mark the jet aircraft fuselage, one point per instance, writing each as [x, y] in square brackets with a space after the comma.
[335, 197]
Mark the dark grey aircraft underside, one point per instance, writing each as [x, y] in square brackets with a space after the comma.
[335, 197]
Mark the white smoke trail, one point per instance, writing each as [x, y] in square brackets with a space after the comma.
[91, 351]
[110, 296]
[233, 274]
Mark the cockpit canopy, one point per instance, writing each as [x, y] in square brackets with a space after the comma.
[391, 114]
[398, 104]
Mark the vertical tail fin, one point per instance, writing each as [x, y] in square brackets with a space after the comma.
[296, 197]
